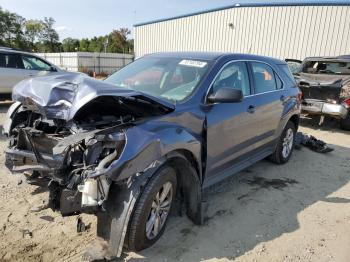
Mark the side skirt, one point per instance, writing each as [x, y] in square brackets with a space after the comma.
[247, 161]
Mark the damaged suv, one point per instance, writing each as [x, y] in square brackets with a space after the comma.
[325, 84]
[151, 137]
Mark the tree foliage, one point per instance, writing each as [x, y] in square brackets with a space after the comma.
[33, 29]
[41, 36]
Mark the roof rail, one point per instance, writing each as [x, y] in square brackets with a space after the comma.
[344, 56]
[10, 48]
[5, 47]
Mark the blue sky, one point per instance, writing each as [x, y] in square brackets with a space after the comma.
[88, 18]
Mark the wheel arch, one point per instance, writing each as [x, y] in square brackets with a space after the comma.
[189, 183]
[295, 119]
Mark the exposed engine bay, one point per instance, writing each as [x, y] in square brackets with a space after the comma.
[69, 149]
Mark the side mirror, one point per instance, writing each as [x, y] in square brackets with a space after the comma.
[226, 95]
[53, 69]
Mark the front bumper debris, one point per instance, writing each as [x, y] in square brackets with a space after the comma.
[314, 106]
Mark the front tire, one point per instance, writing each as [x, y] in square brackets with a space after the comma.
[285, 145]
[152, 210]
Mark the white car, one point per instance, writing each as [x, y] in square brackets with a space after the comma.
[16, 66]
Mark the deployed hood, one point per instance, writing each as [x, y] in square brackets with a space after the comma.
[61, 96]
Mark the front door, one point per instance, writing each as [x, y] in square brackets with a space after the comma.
[231, 127]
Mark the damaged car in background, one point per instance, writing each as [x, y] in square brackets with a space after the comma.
[150, 138]
[325, 84]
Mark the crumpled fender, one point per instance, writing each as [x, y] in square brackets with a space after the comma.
[112, 224]
[143, 148]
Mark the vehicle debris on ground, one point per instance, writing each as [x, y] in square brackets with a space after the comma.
[311, 142]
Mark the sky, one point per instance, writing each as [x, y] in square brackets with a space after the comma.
[88, 18]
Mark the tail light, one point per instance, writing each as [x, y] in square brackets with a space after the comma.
[346, 103]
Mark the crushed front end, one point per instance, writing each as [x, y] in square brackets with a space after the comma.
[65, 154]
[68, 131]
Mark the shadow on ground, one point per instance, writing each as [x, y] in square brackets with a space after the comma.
[254, 206]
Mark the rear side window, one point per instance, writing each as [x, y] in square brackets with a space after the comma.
[265, 78]
[279, 82]
[289, 76]
[10, 61]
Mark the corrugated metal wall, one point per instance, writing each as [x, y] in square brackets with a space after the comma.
[89, 62]
[278, 31]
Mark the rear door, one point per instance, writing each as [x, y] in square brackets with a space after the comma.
[269, 100]
[11, 71]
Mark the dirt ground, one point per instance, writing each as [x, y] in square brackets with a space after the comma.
[296, 212]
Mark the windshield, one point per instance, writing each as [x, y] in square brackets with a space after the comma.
[165, 77]
[326, 67]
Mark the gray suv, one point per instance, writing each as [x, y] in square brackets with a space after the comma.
[151, 137]
[16, 66]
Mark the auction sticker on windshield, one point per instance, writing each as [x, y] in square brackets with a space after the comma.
[193, 63]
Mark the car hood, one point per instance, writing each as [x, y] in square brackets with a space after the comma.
[61, 96]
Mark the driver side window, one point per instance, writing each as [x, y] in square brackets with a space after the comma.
[235, 76]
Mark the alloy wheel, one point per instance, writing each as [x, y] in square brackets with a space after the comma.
[288, 141]
[159, 210]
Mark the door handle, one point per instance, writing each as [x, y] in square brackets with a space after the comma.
[251, 109]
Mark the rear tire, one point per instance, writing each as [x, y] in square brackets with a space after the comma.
[153, 206]
[285, 145]
[345, 123]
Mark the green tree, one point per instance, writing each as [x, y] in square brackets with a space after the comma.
[49, 36]
[40, 36]
[70, 44]
[119, 41]
[11, 30]
[33, 31]
[84, 45]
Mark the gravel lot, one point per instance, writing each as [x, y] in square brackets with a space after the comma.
[296, 212]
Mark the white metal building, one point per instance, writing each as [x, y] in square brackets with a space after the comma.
[284, 30]
[106, 63]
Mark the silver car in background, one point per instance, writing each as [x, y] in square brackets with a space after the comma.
[16, 66]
